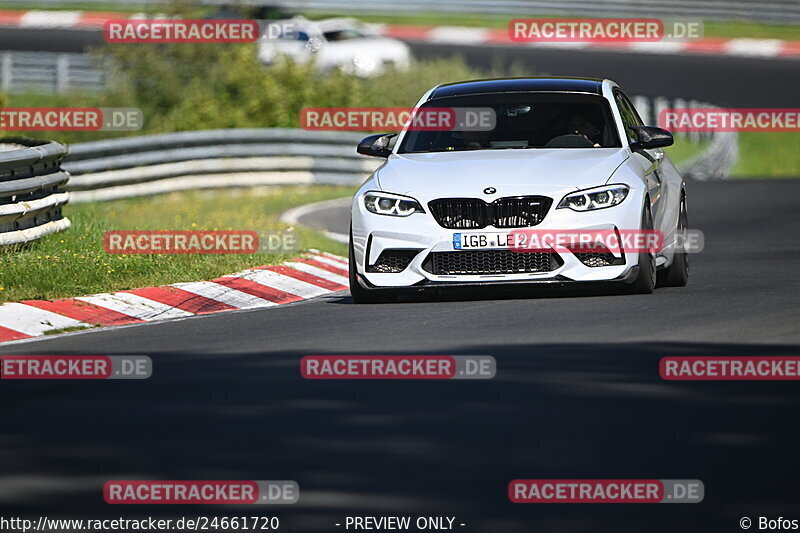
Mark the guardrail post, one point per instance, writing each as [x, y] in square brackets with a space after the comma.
[679, 103]
[6, 64]
[659, 105]
[644, 107]
[62, 73]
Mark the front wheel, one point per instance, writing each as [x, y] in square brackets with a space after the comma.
[677, 275]
[645, 282]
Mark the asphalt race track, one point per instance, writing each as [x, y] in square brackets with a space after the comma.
[68, 40]
[719, 80]
[577, 395]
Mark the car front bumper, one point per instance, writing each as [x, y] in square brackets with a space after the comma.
[372, 234]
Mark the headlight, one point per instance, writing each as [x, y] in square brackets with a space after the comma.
[394, 205]
[597, 198]
[365, 63]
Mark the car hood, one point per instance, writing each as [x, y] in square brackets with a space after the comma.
[510, 172]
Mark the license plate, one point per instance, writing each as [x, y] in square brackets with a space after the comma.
[479, 241]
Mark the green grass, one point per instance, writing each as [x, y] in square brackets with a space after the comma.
[768, 154]
[761, 154]
[74, 262]
[751, 30]
[191, 87]
[68, 330]
[684, 150]
[71, 99]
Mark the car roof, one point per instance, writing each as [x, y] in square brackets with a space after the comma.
[339, 23]
[504, 85]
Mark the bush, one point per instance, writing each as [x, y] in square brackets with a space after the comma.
[189, 87]
[181, 87]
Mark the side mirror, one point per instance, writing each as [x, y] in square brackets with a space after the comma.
[376, 145]
[649, 137]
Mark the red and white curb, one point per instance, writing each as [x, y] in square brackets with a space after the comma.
[308, 276]
[456, 35]
[453, 35]
[41, 19]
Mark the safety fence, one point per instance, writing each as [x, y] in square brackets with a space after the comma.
[151, 164]
[49, 72]
[34, 179]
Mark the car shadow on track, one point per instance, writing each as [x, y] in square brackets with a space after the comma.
[559, 410]
[464, 294]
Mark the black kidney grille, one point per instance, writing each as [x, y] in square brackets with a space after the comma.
[474, 213]
[520, 212]
[459, 213]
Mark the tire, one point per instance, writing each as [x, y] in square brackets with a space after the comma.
[360, 294]
[677, 275]
[645, 282]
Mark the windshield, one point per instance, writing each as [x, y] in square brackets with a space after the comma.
[346, 34]
[524, 120]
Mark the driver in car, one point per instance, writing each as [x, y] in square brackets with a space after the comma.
[474, 140]
[578, 125]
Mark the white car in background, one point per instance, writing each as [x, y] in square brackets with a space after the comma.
[342, 43]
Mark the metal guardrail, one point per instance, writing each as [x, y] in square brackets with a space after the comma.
[33, 176]
[31, 194]
[152, 164]
[49, 72]
[777, 11]
[717, 159]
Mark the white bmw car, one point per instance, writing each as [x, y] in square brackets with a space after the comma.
[342, 43]
[565, 154]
